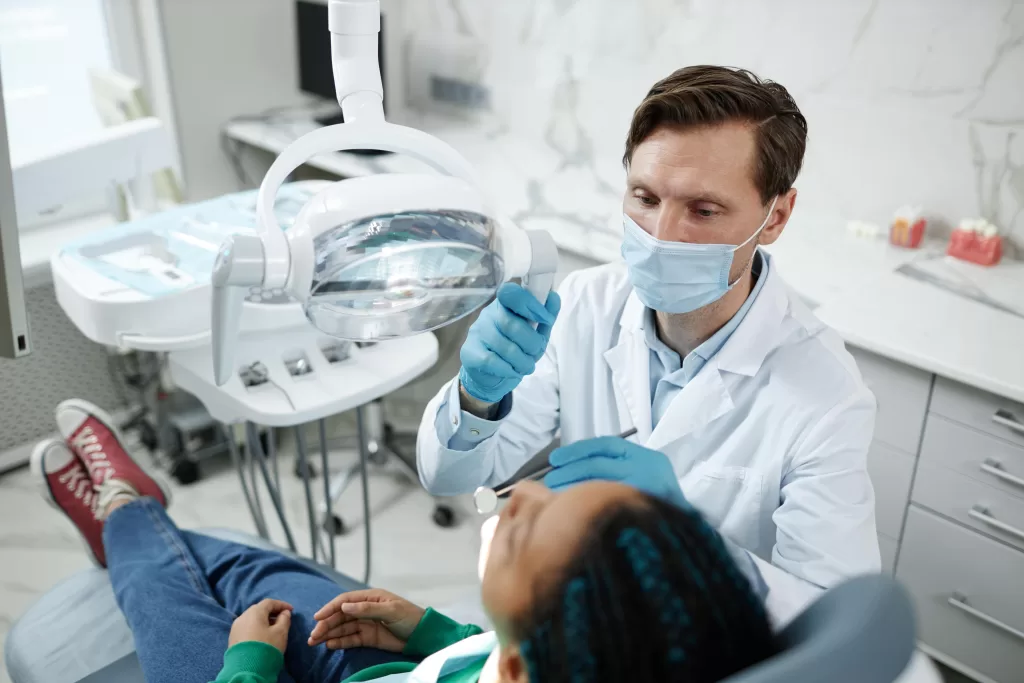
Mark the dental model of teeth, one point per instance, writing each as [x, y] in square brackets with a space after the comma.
[907, 227]
[976, 240]
[863, 229]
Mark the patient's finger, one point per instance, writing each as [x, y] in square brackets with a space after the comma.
[332, 621]
[322, 633]
[367, 594]
[283, 623]
[345, 630]
[270, 607]
[371, 610]
[369, 634]
[353, 634]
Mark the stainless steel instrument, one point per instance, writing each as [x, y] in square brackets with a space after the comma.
[486, 499]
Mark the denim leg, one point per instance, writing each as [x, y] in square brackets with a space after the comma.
[241, 576]
[180, 629]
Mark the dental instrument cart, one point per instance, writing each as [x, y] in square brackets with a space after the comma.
[145, 286]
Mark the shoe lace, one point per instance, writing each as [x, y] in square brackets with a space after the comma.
[78, 482]
[109, 491]
[88, 445]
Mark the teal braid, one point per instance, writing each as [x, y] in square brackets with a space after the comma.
[649, 571]
[577, 631]
[653, 594]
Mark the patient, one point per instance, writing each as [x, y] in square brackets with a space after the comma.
[599, 583]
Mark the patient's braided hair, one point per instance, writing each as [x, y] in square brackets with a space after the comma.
[652, 596]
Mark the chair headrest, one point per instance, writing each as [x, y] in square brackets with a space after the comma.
[861, 631]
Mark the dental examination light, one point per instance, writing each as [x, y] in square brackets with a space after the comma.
[382, 256]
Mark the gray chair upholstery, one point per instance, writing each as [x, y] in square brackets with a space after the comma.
[859, 632]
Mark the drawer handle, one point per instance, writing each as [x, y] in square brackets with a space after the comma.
[995, 468]
[960, 602]
[981, 514]
[1006, 419]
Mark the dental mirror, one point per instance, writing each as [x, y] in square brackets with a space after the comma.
[486, 499]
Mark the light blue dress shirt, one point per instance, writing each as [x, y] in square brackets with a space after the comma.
[668, 374]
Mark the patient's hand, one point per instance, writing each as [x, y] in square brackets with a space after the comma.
[367, 618]
[266, 622]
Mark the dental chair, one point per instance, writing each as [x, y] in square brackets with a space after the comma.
[859, 632]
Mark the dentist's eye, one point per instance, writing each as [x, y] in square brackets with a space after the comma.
[647, 200]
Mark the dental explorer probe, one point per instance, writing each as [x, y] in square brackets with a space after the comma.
[486, 499]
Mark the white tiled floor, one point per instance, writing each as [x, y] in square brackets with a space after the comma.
[411, 555]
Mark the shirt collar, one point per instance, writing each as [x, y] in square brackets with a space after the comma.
[715, 342]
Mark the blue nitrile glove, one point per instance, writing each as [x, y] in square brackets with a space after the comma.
[609, 458]
[502, 346]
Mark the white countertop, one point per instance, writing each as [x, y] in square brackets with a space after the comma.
[851, 281]
[857, 291]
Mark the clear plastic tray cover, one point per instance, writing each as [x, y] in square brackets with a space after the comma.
[174, 250]
[399, 274]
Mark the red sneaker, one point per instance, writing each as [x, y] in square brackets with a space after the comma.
[66, 485]
[94, 438]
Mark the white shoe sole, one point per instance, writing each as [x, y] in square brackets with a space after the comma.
[108, 422]
[39, 472]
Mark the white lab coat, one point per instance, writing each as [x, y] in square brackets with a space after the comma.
[769, 440]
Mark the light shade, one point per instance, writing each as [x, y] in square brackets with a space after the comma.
[402, 273]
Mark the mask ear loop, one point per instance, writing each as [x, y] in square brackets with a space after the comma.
[771, 210]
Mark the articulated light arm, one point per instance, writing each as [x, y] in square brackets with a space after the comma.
[355, 32]
[264, 260]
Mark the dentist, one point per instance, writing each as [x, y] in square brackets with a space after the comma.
[746, 406]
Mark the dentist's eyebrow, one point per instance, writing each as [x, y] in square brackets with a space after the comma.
[710, 197]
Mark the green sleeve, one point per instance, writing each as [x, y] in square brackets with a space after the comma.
[436, 632]
[251, 662]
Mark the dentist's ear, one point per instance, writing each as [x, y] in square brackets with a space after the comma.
[512, 666]
[779, 218]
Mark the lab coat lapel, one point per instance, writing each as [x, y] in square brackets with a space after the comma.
[707, 397]
[630, 364]
[703, 399]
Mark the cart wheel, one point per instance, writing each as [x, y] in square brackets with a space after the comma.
[147, 436]
[444, 516]
[186, 471]
[298, 469]
[335, 525]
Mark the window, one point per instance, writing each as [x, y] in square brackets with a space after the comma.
[46, 49]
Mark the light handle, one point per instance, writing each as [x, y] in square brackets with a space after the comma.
[540, 278]
[239, 266]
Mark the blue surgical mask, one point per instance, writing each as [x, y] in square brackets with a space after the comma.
[677, 277]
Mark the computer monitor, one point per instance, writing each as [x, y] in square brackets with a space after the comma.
[316, 72]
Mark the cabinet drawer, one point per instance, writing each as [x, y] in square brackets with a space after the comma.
[979, 456]
[887, 546]
[967, 592]
[979, 409]
[902, 395]
[970, 502]
[891, 471]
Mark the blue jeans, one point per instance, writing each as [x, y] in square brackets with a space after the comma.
[181, 591]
